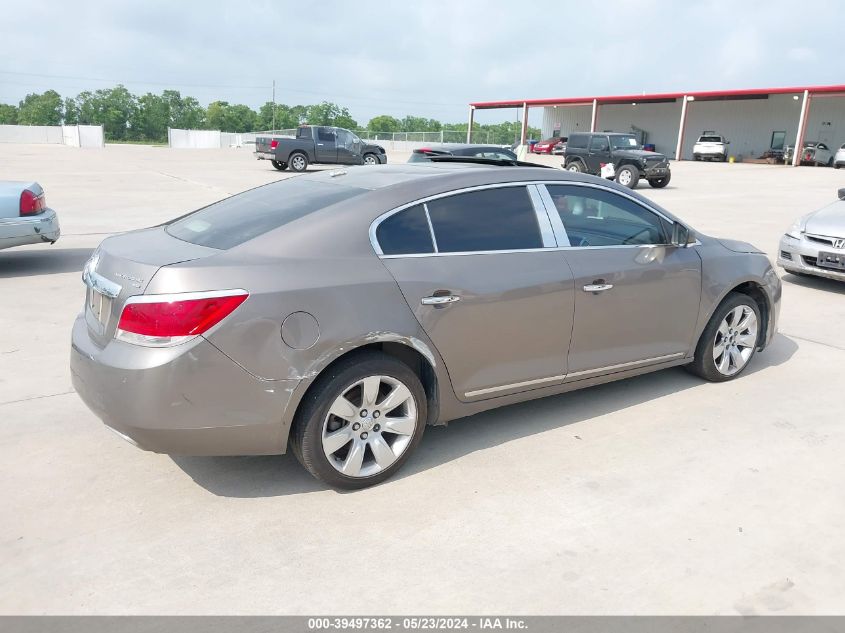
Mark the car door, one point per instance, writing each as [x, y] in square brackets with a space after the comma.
[636, 295]
[326, 145]
[477, 269]
[598, 153]
[345, 148]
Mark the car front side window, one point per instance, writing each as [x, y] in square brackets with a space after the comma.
[597, 217]
[599, 144]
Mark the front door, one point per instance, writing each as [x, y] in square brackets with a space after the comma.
[348, 148]
[636, 295]
[598, 153]
[326, 145]
[497, 305]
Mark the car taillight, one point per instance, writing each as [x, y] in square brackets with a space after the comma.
[808, 156]
[166, 320]
[31, 203]
[274, 144]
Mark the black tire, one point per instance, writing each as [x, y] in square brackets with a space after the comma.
[696, 157]
[837, 165]
[576, 166]
[830, 162]
[704, 364]
[659, 183]
[372, 158]
[279, 165]
[306, 435]
[632, 180]
[298, 162]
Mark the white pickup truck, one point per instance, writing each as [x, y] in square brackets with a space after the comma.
[710, 147]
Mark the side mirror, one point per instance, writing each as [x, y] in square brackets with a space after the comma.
[682, 236]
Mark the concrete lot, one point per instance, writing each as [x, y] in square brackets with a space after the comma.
[661, 494]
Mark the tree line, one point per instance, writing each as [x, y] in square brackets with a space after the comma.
[145, 118]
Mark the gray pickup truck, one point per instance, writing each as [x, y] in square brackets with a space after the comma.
[317, 144]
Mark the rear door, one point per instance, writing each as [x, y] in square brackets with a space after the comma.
[474, 269]
[636, 295]
[326, 145]
[598, 154]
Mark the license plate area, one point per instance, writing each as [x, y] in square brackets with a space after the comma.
[831, 260]
[98, 307]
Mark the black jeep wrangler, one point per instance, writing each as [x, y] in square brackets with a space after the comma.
[590, 152]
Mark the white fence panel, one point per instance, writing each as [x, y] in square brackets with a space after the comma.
[91, 136]
[193, 139]
[31, 134]
[70, 135]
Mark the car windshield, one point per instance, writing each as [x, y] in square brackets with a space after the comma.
[624, 142]
[247, 215]
[710, 139]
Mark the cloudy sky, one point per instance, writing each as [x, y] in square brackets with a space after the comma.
[422, 57]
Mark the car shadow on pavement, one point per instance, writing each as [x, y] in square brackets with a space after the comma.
[815, 283]
[272, 476]
[42, 261]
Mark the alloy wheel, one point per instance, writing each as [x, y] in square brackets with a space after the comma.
[298, 163]
[369, 426]
[369, 160]
[735, 341]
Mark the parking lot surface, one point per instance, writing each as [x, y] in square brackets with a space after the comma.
[660, 494]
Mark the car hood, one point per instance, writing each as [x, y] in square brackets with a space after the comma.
[739, 247]
[637, 153]
[829, 220]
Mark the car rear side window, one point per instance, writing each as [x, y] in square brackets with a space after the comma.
[405, 233]
[577, 141]
[247, 215]
[497, 219]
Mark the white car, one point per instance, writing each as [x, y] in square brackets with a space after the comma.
[24, 215]
[710, 147]
[815, 244]
[839, 158]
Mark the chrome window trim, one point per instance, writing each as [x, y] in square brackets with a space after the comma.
[561, 235]
[543, 222]
[430, 228]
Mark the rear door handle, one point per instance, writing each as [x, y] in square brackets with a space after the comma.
[597, 287]
[439, 300]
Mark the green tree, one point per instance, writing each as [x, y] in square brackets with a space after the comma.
[287, 117]
[221, 115]
[71, 112]
[327, 113]
[185, 113]
[116, 109]
[384, 123]
[8, 114]
[41, 109]
[152, 118]
[419, 124]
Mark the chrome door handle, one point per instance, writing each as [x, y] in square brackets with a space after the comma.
[439, 300]
[597, 287]
[320, 144]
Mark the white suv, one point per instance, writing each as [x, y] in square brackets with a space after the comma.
[711, 147]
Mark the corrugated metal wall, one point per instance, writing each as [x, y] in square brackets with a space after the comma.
[826, 122]
[571, 119]
[659, 120]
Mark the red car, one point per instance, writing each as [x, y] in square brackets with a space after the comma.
[545, 147]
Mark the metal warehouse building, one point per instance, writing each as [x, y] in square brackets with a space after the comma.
[753, 120]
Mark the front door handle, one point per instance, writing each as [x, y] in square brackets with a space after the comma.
[597, 287]
[439, 300]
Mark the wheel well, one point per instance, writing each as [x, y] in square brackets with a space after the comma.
[418, 363]
[755, 291]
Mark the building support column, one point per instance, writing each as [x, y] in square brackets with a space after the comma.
[680, 146]
[469, 128]
[595, 117]
[802, 125]
[523, 137]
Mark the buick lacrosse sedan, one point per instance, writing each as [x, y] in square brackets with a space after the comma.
[339, 313]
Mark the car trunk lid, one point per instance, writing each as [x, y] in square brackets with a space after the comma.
[122, 267]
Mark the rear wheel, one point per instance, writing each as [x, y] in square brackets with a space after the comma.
[279, 165]
[298, 162]
[627, 176]
[576, 166]
[729, 341]
[360, 422]
[370, 159]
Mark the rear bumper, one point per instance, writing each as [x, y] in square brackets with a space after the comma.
[186, 400]
[43, 227]
[265, 155]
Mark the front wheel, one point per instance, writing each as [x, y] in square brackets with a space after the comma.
[659, 183]
[279, 165]
[627, 176]
[370, 159]
[729, 341]
[360, 422]
[298, 162]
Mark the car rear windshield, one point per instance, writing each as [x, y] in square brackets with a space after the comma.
[247, 215]
[710, 139]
